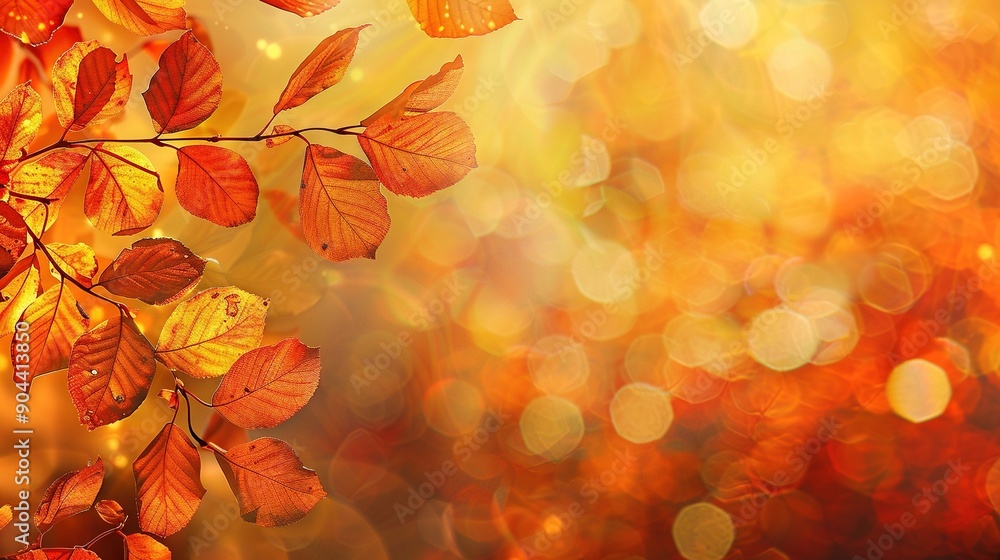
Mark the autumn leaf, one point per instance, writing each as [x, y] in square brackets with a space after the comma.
[268, 385]
[78, 261]
[6, 515]
[58, 554]
[20, 119]
[285, 209]
[216, 184]
[303, 8]
[45, 55]
[50, 177]
[144, 17]
[18, 289]
[461, 18]
[271, 484]
[13, 237]
[343, 212]
[168, 482]
[110, 369]
[89, 86]
[155, 271]
[206, 334]
[32, 21]
[145, 547]
[187, 87]
[324, 67]
[72, 493]
[282, 129]
[124, 194]
[55, 322]
[419, 155]
[110, 511]
[222, 432]
[422, 96]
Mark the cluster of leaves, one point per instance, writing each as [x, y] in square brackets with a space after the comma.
[35, 21]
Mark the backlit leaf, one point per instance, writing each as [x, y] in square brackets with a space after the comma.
[187, 87]
[6, 515]
[77, 261]
[461, 18]
[422, 96]
[419, 155]
[279, 140]
[271, 484]
[206, 334]
[144, 17]
[32, 21]
[13, 237]
[216, 184]
[145, 547]
[54, 324]
[89, 86]
[50, 176]
[110, 369]
[303, 8]
[58, 554]
[72, 493]
[124, 194]
[324, 67]
[20, 118]
[343, 212]
[156, 271]
[168, 482]
[268, 385]
[110, 511]
[18, 289]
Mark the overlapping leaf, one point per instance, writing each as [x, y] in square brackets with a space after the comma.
[13, 237]
[422, 96]
[145, 547]
[78, 261]
[206, 334]
[89, 86]
[272, 485]
[187, 87]
[20, 119]
[110, 511]
[268, 385]
[324, 67]
[303, 8]
[72, 493]
[18, 289]
[110, 369]
[51, 177]
[156, 271]
[343, 212]
[216, 184]
[168, 482]
[124, 194]
[32, 21]
[144, 17]
[55, 322]
[461, 18]
[419, 155]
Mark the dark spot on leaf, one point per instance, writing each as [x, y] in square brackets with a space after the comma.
[232, 305]
[324, 246]
[246, 389]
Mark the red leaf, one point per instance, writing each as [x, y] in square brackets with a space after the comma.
[343, 213]
[58, 554]
[187, 87]
[303, 8]
[323, 68]
[422, 96]
[420, 155]
[32, 21]
[272, 485]
[70, 494]
[268, 385]
[110, 369]
[89, 86]
[156, 271]
[20, 118]
[51, 177]
[145, 547]
[13, 237]
[144, 17]
[168, 482]
[110, 511]
[216, 184]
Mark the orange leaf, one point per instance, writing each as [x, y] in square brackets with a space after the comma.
[303, 8]
[18, 289]
[144, 17]
[187, 87]
[58, 554]
[72, 493]
[79, 261]
[124, 194]
[32, 21]
[323, 68]
[279, 140]
[110, 369]
[168, 482]
[272, 485]
[20, 118]
[156, 271]
[206, 334]
[13, 237]
[216, 184]
[6, 515]
[343, 212]
[51, 176]
[461, 18]
[145, 547]
[422, 96]
[285, 210]
[268, 385]
[110, 511]
[419, 155]
[89, 86]
[54, 323]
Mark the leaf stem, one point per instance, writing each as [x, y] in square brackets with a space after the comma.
[110, 531]
[187, 400]
[122, 308]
